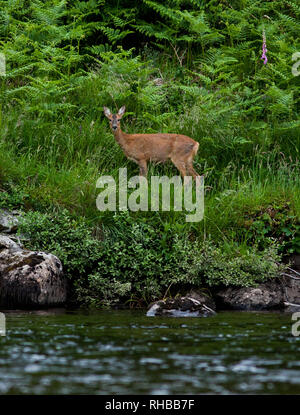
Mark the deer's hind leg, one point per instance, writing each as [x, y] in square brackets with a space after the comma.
[189, 163]
[180, 165]
[191, 171]
[143, 167]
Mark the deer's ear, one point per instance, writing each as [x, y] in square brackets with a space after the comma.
[122, 111]
[107, 112]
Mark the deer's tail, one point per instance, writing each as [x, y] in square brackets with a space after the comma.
[195, 149]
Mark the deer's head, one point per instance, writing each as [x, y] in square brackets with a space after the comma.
[114, 119]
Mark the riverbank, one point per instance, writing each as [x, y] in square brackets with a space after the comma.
[195, 69]
[115, 271]
[35, 279]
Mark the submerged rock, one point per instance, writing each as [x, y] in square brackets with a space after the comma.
[191, 305]
[29, 278]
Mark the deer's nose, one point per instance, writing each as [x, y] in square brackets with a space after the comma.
[114, 127]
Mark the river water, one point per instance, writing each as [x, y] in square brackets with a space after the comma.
[125, 352]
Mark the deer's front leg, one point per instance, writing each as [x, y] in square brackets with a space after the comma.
[143, 168]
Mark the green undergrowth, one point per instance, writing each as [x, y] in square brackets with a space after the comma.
[134, 262]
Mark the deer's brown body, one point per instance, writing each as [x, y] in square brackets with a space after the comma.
[141, 148]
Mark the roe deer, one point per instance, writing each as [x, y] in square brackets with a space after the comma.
[140, 148]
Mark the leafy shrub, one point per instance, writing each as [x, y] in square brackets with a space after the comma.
[218, 266]
[68, 238]
[102, 292]
[13, 199]
[148, 257]
[276, 222]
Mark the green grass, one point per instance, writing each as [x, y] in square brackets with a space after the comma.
[58, 166]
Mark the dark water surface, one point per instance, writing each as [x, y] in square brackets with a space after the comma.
[111, 352]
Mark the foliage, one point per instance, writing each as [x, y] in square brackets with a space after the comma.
[232, 266]
[51, 47]
[274, 223]
[137, 260]
[14, 198]
[63, 236]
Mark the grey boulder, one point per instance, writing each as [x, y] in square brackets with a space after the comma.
[29, 278]
[266, 296]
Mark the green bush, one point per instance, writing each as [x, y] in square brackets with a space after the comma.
[275, 222]
[15, 198]
[62, 235]
[223, 267]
